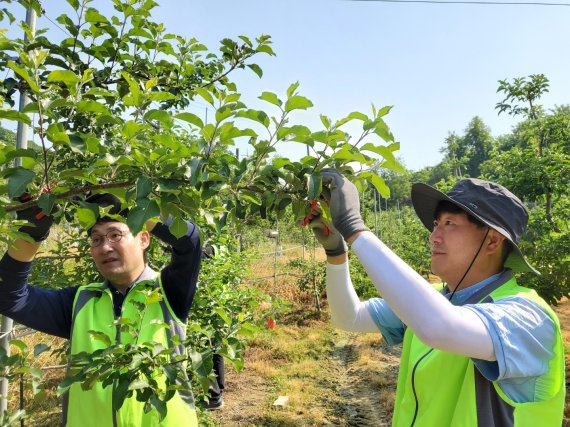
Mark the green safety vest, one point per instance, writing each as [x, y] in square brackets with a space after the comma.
[93, 311]
[437, 388]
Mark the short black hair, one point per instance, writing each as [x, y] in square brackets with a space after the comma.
[448, 207]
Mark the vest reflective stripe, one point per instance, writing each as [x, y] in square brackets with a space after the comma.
[93, 310]
[436, 388]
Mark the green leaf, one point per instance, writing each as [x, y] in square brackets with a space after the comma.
[92, 15]
[207, 96]
[40, 348]
[255, 115]
[298, 133]
[291, 89]
[223, 113]
[349, 156]
[160, 115]
[265, 49]
[144, 186]
[190, 118]
[159, 405]
[250, 199]
[256, 69]
[283, 203]
[384, 110]
[388, 154]
[383, 131]
[92, 107]
[379, 183]
[120, 393]
[355, 115]
[161, 96]
[19, 344]
[69, 78]
[21, 152]
[232, 97]
[195, 170]
[198, 364]
[142, 212]
[271, 98]
[297, 102]
[358, 116]
[100, 336]
[57, 134]
[47, 201]
[86, 217]
[131, 129]
[246, 40]
[15, 116]
[223, 315]
[178, 228]
[18, 181]
[325, 121]
[279, 162]
[23, 73]
[314, 187]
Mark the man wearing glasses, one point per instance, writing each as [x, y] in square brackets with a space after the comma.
[73, 312]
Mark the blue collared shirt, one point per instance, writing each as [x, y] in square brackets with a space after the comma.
[523, 337]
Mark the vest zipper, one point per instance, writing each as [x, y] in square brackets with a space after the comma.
[118, 341]
[414, 386]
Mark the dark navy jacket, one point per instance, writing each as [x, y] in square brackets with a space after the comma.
[50, 310]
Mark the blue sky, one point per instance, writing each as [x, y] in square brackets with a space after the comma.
[438, 65]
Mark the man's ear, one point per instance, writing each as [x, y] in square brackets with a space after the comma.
[495, 241]
[144, 238]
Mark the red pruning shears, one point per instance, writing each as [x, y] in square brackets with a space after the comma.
[309, 217]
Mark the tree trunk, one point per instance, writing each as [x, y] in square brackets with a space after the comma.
[549, 217]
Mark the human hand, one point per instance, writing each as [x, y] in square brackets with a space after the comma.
[342, 196]
[41, 223]
[326, 234]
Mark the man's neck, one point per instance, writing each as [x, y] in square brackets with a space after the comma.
[124, 285]
[474, 279]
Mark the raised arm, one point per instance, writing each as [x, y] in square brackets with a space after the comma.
[48, 311]
[436, 321]
[180, 276]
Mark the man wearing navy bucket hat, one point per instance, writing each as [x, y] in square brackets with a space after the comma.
[482, 351]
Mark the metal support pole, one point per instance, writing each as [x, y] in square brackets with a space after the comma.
[21, 142]
[275, 265]
[375, 213]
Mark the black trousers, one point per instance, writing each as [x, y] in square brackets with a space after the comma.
[217, 386]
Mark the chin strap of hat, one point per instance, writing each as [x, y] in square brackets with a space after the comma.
[472, 262]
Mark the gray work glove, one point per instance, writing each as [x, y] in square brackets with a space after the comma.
[328, 236]
[344, 203]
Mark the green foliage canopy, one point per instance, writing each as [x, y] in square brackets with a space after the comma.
[110, 103]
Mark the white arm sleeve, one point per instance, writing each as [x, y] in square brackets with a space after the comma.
[347, 311]
[435, 321]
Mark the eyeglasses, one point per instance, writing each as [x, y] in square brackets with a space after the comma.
[112, 236]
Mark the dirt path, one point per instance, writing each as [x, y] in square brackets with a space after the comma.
[361, 403]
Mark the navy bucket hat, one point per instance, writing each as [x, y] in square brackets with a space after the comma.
[490, 203]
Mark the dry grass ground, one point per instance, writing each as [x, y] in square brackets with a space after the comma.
[330, 377]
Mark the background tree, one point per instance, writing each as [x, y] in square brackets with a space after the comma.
[451, 154]
[534, 163]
